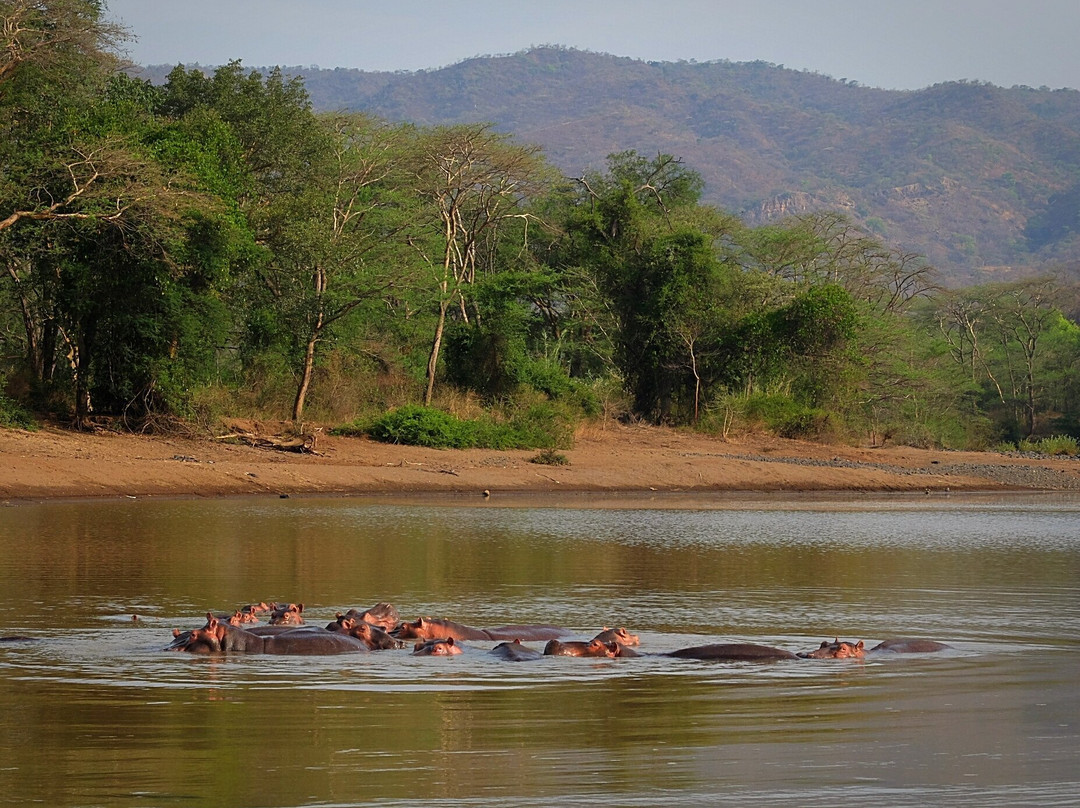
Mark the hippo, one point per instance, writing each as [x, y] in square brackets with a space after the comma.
[841, 649]
[374, 637]
[383, 615]
[245, 615]
[443, 646]
[906, 646]
[515, 652]
[578, 648]
[619, 635]
[427, 628]
[837, 649]
[733, 652]
[287, 614]
[219, 637]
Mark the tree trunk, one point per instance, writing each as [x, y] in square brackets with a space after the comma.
[309, 351]
[305, 378]
[433, 359]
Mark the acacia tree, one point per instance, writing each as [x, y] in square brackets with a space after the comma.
[997, 332]
[55, 58]
[1023, 313]
[339, 242]
[473, 179]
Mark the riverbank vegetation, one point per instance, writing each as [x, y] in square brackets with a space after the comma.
[211, 247]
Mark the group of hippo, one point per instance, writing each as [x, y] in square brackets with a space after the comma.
[380, 628]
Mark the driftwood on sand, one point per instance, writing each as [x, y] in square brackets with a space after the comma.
[304, 444]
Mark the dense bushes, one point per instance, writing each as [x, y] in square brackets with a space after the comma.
[538, 427]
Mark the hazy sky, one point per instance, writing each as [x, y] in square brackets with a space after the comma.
[896, 44]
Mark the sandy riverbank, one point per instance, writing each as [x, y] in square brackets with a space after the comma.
[57, 464]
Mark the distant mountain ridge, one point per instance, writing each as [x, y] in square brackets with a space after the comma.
[983, 180]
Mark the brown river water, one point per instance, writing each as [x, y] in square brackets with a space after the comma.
[93, 711]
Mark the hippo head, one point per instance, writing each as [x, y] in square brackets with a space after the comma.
[384, 615]
[241, 617]
[619, 635]
[205, 640]
[599, 648]
[837, 649]
[416, 630]
[290, 614]
[445, 647]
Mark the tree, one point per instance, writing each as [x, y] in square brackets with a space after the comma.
[56, 39]
[656, 256]
[55, 57]
[1023, 313]
[95, 227]
[474, 180]
[340, 242]
[997, 332]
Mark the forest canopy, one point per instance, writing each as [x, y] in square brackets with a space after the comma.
[212, 247]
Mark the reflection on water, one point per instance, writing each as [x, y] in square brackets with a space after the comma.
[95, 713]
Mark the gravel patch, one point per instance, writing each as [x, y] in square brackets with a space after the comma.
[1017, 476]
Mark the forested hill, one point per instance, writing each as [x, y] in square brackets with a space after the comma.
[978, 178]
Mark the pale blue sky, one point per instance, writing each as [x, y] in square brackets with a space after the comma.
[897, 44]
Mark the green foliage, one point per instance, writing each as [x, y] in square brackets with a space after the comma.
[787, 417]
[14, 416]
[549, 457]
[423, 426]
[1052, 445]
[539, 426]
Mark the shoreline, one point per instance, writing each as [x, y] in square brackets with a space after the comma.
[616, 461]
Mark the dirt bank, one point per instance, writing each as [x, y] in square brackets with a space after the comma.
[52, 463]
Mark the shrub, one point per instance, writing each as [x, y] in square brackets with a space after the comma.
[549, 457]
[787, 417]
[414, 425]
[14, 416]
[539, 427]
[1053, 445]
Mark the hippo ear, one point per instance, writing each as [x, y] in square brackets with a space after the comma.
[299, 607]
[824, 644]
[176, 632]
[859, 645]
[836, 640]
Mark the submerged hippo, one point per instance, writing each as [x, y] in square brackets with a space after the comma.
[444, 646]
[733, 652]
[383, 615]
[516, 652]
[218, 637]
[245, 615]
[374, 637]
[619, 635]
[582, 648]
[427, 628]
[287, 614]
[841, 649]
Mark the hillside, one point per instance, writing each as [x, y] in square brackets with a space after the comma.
[983, 180]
